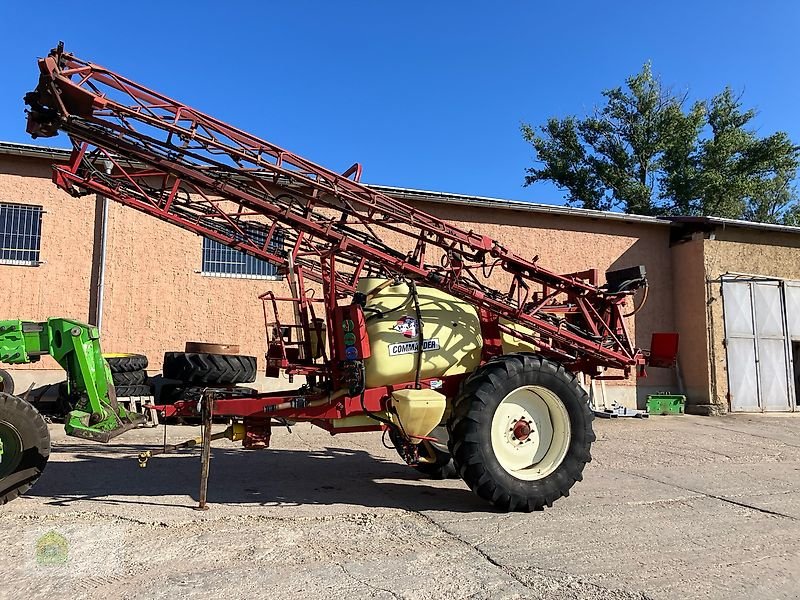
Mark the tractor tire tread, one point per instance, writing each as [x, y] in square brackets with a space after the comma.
[480, 394]
[129, 378]
[209, 369]
[170, 393]
[127, 363]
[126, 391]
[32, 429]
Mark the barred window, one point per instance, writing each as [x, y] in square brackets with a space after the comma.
[20, 234]
[221, 261]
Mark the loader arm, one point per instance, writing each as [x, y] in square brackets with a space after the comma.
[75, 346]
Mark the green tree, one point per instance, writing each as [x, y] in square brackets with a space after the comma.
[644, 151]
[740, 175]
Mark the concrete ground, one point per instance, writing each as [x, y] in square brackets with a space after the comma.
[671, 507]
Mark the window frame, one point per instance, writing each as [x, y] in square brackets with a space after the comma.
[247, 260]
[29, 217]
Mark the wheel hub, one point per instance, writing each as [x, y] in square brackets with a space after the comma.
[530, 432]
[521, 430]
[10, 449]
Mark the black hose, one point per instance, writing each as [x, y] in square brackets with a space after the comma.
[413, 289]
[379, 314]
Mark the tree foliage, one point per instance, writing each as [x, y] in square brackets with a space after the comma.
[646, 151]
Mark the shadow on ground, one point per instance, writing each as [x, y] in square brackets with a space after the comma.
[261, 477]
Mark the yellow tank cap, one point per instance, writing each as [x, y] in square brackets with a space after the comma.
[418, 412]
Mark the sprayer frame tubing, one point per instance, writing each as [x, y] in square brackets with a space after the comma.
[344, 406]
[77, 87]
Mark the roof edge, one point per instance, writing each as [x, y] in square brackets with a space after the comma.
[62, 154]
[523, 205]
[34, 151]
[736, 223]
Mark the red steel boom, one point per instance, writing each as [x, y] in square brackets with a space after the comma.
[187, 168]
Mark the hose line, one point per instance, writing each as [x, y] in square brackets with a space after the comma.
[413, 288]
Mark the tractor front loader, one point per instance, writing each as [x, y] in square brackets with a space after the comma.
[460, 351]
[95, 415]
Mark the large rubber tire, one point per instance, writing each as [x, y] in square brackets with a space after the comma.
[129, 378]
[26, 446]
[125, 363]
[6, 382]
[209, 369]
[442, 466]
[127, 391]
[481, 442]
[171, 393]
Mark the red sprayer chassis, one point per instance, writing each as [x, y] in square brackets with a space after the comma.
[326, 232]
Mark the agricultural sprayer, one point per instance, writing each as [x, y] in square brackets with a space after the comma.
[463, 353]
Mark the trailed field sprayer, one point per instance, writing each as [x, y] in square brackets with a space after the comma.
[461, 352]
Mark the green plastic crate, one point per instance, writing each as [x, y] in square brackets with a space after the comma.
[665, 404]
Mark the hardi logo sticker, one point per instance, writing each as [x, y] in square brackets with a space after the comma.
[407, 326]
[411, 347]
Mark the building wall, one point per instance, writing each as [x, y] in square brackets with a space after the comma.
[747, 252]
[61, 285]
[689, 301]
[155, 299]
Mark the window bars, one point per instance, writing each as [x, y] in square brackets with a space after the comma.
[20, 234]
[222, 261]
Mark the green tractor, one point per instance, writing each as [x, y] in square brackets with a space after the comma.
[95, 413]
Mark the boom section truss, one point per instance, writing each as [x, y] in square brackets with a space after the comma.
[166, 159]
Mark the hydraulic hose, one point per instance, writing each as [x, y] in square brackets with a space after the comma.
[636, 309]
[415, 295]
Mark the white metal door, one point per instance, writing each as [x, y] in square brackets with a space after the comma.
[759, 353]
[792, 289]
[792, 308]
[740, 341]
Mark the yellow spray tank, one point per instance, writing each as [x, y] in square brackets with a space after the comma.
[514, 344]
[451, 329]
[452, 345]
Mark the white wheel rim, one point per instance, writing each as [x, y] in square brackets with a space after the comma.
[540, 452]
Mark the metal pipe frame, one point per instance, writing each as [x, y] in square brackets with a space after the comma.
[194, 171]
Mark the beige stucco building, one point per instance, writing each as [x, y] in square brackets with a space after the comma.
[152, 286]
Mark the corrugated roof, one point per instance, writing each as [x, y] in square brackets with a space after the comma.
[60, 154]
[720, 222]
[33, 151]
[485, 201]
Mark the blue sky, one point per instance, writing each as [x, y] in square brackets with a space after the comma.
[424, 94]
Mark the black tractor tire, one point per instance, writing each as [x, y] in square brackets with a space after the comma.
[126, 391]
[125, 363]
[129, 378]
[442, 466]
[26, 446]
[6, 382]
[471, 427]
[209, 369]
[171, 393]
